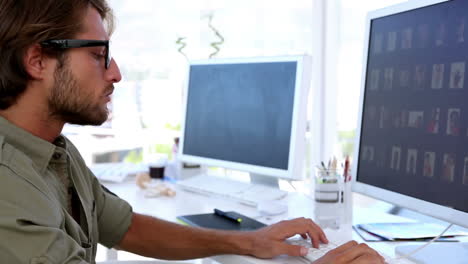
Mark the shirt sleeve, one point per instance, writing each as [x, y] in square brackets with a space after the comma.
[30, 226]
[114, 215]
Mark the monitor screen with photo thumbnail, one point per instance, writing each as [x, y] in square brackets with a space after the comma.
[414, 129]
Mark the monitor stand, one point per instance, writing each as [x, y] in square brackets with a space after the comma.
[440, 252]
[264, 180]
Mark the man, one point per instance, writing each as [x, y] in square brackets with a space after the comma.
[55, 69]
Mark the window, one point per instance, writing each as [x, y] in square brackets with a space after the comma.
[349, 67]
[153, 41]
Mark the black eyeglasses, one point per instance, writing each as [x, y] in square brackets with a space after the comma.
[79, 43]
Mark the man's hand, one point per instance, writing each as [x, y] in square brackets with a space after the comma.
[351, 253]
[269, 242]
[156, 238]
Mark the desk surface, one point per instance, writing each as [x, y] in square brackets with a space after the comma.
[169, 208]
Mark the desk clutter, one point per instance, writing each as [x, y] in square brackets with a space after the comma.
[117, 171]
[332, 193]
[154, 188]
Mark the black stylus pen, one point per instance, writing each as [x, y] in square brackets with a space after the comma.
[228, 216]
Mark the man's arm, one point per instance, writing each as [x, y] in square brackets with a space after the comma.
[157, 238]
[160, 239]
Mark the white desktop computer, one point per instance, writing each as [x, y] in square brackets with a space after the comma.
[247, 114]
[413, 125]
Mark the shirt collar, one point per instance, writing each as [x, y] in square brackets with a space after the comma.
[38, 150]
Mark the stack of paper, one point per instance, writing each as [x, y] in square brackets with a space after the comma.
[407, 231]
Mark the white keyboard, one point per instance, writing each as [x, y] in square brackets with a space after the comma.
[245, 193]
[116, 171]
[316, 253]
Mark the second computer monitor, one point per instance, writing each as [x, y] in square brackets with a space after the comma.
[247, 114]
[413, 131]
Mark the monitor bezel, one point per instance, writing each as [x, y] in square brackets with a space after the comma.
[428, 208]
[298, 128]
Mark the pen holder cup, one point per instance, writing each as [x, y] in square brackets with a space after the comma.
[333, 199]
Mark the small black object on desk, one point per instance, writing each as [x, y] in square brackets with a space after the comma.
[222, 220]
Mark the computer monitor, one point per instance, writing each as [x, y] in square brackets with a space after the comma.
[413, 124]
[247, 114]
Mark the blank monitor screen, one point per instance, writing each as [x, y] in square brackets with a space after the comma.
[414, 130]
[241, 112]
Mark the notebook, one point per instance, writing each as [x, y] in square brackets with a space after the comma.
[218, 222]
[408, 231]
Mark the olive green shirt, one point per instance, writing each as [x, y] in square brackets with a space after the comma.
[52, 207]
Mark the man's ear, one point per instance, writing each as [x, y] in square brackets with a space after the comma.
[34, 62]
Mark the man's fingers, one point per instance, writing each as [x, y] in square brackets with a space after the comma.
[354, 252]
[316, 234]
[369, 258]
[292, 250]
[314, 231]
[305, 226]
[323, 237]
[345, 247]
[314, 238]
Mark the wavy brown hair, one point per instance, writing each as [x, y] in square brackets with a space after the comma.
[28, 22]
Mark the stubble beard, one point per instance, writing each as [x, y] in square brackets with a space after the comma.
[70, 104]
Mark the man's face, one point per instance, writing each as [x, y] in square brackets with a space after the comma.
[73, 104]
[82, 86]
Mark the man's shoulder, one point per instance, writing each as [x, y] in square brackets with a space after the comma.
[17, 170]
[21, 184]
[3, 153]
[15, 166]
[11, 157]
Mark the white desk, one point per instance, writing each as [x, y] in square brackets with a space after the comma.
[169, 208]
